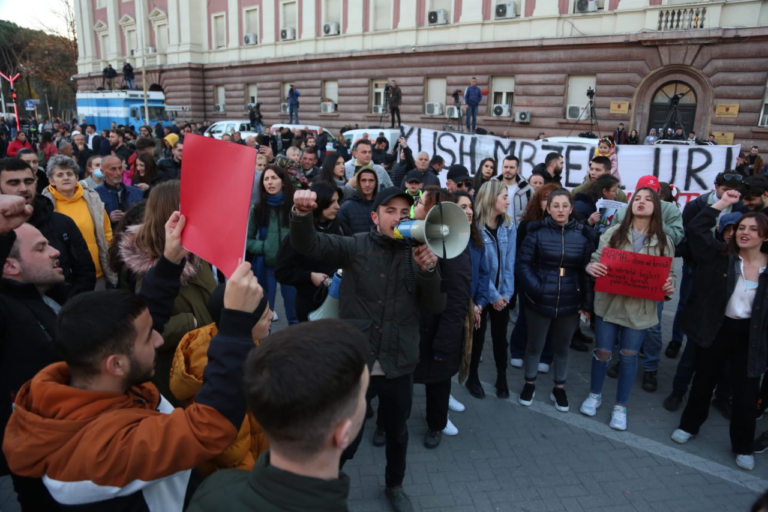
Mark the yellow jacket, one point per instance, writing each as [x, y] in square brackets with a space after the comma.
[186, 380]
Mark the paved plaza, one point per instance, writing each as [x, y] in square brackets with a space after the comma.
[513, 458]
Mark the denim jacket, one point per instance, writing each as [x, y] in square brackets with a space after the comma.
[507, 240]
[480, 275]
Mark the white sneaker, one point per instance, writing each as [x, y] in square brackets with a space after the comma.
[618, 418]
[543, 368]
[592, 403]
[455, 405]
[516, 363]
[746, 462]
[450, 429]
[681, 436]
[275, 317]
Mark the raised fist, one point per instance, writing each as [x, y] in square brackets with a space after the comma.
[304, 201]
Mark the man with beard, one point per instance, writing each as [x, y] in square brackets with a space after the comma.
[93, 426]
[116, 196]
[518, 191]
[62, 233]
[30, 157]
[754, 192]
[117, 142]
[551, 169]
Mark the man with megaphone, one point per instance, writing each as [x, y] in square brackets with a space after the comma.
[385, 283]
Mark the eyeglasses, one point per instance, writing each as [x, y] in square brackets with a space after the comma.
[732, 177]
[463, 184]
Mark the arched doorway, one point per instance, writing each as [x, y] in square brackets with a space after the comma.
[660, 106]
[156, 88]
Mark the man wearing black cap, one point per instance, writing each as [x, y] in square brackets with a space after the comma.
[385, 284]
[413, 186]
[458, 178]
[754, 192]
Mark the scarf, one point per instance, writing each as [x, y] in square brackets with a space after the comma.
[276, 199]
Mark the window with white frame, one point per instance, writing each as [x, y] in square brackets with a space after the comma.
[288, 15]
[104, 44]
[382, 15]
[161, 37]
[221, 95]
[251, 21]
[436, 89]
[764, 113]
[331, 91]
[332, 11]
[503, 90]
[577, 89]
[131, 42]
[219, 31]
[252, 94]
[377, 94]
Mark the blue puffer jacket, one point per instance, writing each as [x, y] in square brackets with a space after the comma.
[480, 275]
[507, 240]
[356, 213]
[551, 268]
[473, 96]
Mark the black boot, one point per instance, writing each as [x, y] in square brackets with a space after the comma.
[673, 348]
[474, 386]
[502, 390]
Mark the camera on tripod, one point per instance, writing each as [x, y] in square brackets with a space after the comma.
[387, 88]
[457, 96]
[590, 93]
[675, 100]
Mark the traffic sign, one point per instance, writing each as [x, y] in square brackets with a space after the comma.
[31, 109]
[169, 108]
[10, 105]
[30, 104]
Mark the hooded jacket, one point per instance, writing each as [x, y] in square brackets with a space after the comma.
[383, 177]
[355, 213]
[87, 210]
[189, 364]
[64, 235]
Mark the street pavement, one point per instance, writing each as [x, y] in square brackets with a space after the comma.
[513, 458]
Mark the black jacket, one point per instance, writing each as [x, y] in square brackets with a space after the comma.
[168, 169]
[428, 177]
[584, 205]
[356, 213]
[713, 284]
[64, 236]
[443, 335]
[550, 268]
[690, 212]
[379, 156]
[127, 71]
[294, 269]
[541, 170]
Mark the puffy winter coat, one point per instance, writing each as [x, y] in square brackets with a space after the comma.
[189, 362]
[356, 213]
[259, 243]
[551, 268]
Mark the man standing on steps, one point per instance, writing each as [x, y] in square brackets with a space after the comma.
[394, 100]
[472, 98]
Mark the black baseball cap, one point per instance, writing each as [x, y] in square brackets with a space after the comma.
[458, 173]
[388, 194]
[414, 175]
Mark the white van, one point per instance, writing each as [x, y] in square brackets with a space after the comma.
[373, 133]
[311, 128]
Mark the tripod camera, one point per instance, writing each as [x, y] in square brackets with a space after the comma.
[674, 119]
[589, 109]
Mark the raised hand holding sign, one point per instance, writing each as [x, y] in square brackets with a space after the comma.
[632, 274]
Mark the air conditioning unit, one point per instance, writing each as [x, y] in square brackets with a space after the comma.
[501, 111]
[438, 17]
[283, 108]
[134, 52]
[250, 39]
[452, 112]
[150, 49]
[287, 34]
[327, 107]
[574, 112]
[523, 116]
[219, 107]
[331, 29]
[585, 6]
[433, 109]
[378, 109]
[506, 11]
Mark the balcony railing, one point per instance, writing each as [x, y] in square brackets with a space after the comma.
[682, 19]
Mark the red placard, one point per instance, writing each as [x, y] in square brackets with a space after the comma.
[216, 184]
[633, 274]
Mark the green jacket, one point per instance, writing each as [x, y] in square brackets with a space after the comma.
[374, 295]
[584, 187]
[670, 217]
[275, 234]
[627, 311]
[268, 489]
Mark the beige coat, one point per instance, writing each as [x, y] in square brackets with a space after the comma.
[626, 311]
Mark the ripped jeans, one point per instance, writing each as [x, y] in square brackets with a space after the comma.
[630, 341]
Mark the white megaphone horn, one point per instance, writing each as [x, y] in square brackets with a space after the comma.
[330, 307]
[445, 230]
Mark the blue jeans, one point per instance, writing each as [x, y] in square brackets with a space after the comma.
[130, 83]
[630, 340]
[293, 110]
[472, 114]
[519, 340]
[269, 283]
[686, 284]
[652, 344]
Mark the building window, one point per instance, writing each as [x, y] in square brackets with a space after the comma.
[161, 37]
[100, 4]
[436, 5]
[221, 95]
[377, 94]
[332, 11]
[252, 94]
[382, 15]
[251, 22]
[436, 88]
[289, 15]
[577, 89]
[219, 31]
[131, 42]
[331, 92]
[764, 112]
[104, 39]
[503, 90]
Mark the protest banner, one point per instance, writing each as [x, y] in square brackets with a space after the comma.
[216, 183]
[691, 169]
[633, 274]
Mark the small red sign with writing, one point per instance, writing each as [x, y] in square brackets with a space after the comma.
[633, 274]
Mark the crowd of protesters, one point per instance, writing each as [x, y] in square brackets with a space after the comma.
[141, 379]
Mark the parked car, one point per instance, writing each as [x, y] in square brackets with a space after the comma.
[311, 128]
[216, 130]
[373, 133]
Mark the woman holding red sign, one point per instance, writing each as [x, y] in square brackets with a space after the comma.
[622, 318]
[725, 317]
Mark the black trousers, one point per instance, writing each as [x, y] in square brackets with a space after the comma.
[395, 111]
[499, 322]
[438, 394]
[32, 494]
[395, 399]
[732, 342]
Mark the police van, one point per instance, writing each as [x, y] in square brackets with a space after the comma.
[102, 108]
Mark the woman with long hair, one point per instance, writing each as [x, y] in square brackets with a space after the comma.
[725, 317]
[605, 186]
[621, 319]
[267, 227]
[485, 171]
[498, 231]
[141, 247]
[634, 138]
[93, 175]
[332, 172]
[311, 278]
[554, 289]
[442, 336]
[47, 148]
[146, 172]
